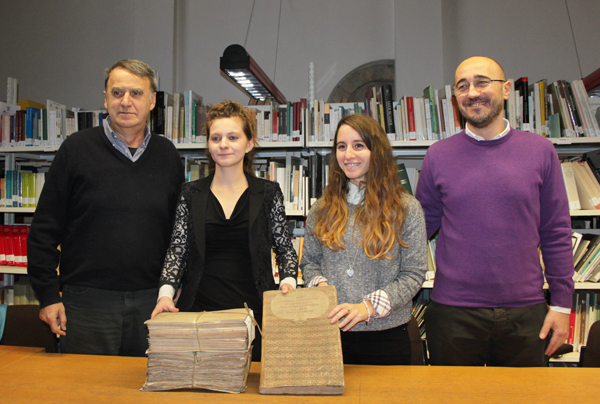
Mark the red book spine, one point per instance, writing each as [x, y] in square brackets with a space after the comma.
[297, 110]
[24, 232]
[8, 245]
[572, 317]
[2, 250]
[410, 112]
[16, 240]
[274, 119]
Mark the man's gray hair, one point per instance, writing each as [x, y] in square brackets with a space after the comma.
[136, 67]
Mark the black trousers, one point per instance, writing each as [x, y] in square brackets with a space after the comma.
[502, 336]
[107, 322]
[386, 347]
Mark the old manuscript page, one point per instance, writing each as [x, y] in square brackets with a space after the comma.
[302, 350]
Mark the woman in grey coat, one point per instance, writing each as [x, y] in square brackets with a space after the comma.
[366, 237]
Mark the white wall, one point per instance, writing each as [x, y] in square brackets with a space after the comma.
[419, 46]
[58, 49]
[337, 35]
[528, 38]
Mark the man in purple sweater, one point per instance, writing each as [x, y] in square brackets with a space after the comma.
[495, 194]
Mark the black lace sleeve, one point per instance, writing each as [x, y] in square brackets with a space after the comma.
[176, 259]
[287, 259]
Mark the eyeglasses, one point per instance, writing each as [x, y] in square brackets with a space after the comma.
[480, 85]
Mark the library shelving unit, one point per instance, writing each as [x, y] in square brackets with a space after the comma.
[409, 151]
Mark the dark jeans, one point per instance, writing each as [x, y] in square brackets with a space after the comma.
[107, 322]
[386, 347]
[502, 336]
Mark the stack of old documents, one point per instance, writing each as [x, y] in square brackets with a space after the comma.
[208, 350]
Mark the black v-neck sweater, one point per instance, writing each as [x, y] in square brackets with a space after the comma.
[112, 217]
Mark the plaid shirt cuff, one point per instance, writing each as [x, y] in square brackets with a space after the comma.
[381, 303]
[316, 280]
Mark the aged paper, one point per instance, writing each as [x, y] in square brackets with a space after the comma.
[302, 350]
[208, 350]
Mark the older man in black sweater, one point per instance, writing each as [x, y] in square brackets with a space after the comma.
[108, 202]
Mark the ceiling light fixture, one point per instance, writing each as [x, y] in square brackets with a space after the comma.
[247, 74]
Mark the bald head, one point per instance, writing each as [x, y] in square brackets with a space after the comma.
[481, 88]
[479, 67]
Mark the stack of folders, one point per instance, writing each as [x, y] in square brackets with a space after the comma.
[207, 350]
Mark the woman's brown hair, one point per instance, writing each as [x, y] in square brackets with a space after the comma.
[231, 109]
[381, 213]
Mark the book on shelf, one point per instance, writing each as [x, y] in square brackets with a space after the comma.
[430, 95]
[56, 123]
[178, 104]
[11, 90]
[158, 115]
[580, 250]
[200, 117]
[576, 238]
[301, 348]
[191, 101]
[403, 178]
[521, 89]
[588, 259]
[431, 265]
[586, 190]
[408, 101]
[570, 184]
[388, 110]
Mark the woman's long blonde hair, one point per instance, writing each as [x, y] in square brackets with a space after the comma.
[381, 214]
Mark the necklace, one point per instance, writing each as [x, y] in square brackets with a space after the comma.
[350, 270]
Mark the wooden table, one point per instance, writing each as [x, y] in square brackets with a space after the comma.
[12, 354]
[61, 378]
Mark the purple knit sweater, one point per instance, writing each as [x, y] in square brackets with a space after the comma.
[495, 202]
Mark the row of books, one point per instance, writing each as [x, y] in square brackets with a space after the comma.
[584, 312]
[581, 183]
[13, 245]
[586, 257]
[561, 106]
[433, 116]
[537, 108]
[19, 292]
[180, 117]
[29, 123]
[292, 176]
[22, 189]
[556, 109]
